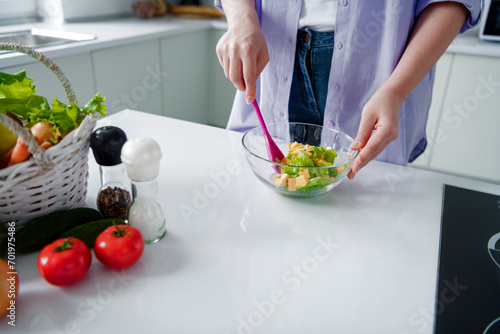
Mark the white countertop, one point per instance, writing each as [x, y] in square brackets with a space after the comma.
[469, 43]
[239, 258]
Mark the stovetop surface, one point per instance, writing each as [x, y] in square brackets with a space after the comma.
[468, 294]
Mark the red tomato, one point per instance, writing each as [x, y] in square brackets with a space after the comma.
[64, 262]
[119, 247]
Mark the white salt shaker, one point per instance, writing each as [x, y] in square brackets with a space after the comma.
[141, 157]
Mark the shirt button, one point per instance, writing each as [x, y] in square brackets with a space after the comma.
[343, 2]
[339, 45]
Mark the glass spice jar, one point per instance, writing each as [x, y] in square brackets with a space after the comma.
[141, 157]
[114, 197]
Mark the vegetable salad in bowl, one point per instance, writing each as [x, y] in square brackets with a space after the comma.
[306, 179]
[317, 158]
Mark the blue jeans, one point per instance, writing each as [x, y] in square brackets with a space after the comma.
[313, 59]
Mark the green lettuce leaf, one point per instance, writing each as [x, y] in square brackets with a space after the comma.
[62, 115]
[16, 92]
[95, 106]
[17, 95]
[330, 155]
[315, 183]
[16, 86]
[316, 152]
[301, 160]
[326, 172]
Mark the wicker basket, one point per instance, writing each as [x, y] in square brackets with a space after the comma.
[51, 180]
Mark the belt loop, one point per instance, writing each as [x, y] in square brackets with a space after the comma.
[307, 37]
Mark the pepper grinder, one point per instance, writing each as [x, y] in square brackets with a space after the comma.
[114, 197]
[141, 157]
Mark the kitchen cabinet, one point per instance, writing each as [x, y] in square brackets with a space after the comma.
[469, 120]
[222, 90]
[443, 69]
[185, 63]
[78, 69]
[463, 127]
[130, 76]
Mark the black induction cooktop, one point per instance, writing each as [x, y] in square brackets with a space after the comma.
[468, 289]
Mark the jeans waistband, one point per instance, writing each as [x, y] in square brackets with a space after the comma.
[315, 38]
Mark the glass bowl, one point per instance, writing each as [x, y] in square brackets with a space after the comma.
[286, 133]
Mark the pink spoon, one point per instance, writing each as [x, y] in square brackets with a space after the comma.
[273, 151]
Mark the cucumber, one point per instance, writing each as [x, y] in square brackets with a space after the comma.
[3, 239]
[90, 231]
[44, 230]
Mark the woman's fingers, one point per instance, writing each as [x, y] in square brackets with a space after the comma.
[366, 126]
[250, 77]
[377, 129]
[377, 142]
[243, 54]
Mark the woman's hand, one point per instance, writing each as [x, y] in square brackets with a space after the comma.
[377, 129]
[242, 52]
[435, 29]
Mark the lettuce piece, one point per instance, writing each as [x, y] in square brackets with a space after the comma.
[330, 155]
[317, 152]
[301, 160]
[62, 115]
[95, 106]
[17, 95]
[315, 183]
[326, 172]
[16, 86]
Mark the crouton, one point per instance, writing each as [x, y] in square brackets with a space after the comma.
[301, 181]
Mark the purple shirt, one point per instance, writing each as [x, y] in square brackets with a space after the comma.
[370, 38]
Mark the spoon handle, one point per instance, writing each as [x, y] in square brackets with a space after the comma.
[273, 151]
[259, 116]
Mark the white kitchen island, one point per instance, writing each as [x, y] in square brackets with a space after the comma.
[240, 258]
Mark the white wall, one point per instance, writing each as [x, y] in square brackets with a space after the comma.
[80, 9]
[15, 9]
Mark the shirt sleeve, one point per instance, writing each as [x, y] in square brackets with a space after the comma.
[474, 7]
[217, 3]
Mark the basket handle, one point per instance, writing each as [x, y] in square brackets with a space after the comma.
[70, 93]
[26, 136]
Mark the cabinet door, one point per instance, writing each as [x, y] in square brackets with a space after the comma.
[222, 90]
[443, 69]
[186, 87]
[470, 120]
[130, 77]
[78, 70]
